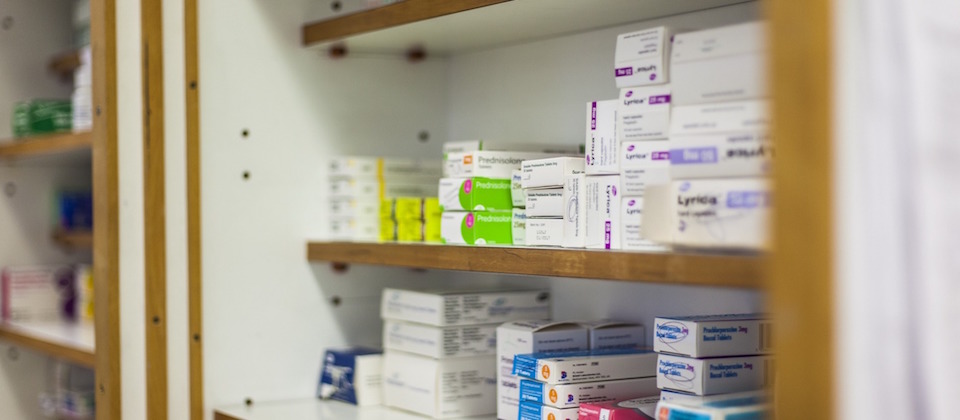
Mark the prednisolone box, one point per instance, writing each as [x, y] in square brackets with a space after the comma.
[519, 227]
[477, 228]
[572, 395]
[487, 163]
[530, 410]
[712, 335]
[425, 340]
[586, 366]
[642, 57]
[475, 194]
[517, 195]
[452, 307]
[642, 408]
[713, 376]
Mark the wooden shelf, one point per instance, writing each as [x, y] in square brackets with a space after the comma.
[313, 409]
[65, 64]
[74, 239]
[72, 342]
[445, 26]
[668, 267]
[48, 145]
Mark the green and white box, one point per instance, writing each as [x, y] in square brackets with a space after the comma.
[477, 228]
[487, 163]
[475, 194]
[440, 342]
[519, 226]
[517, 193]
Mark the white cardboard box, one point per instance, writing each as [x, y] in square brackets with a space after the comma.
[439, 388]
[601, 146]
[572, 395]
[530, 410]
[522, 337]
[454, 307]
[488, 164]
[631, 219]
[352, 167]
[642, 57]
[545, 202]
[608, 334]
[643, 163]
[544, 232]
[35, 293]
[461, 146]
[713, 335]
[412, 189]
[354, 207]
[519, 226]
[574, 211]
[643, 113]
[722, 213]
[516, 189]
[550, 172]
[722, 117]
[398, 168]
[713, 376]
[660, 213]
[586, 366]
[745, 397]
[355, 229]
[719, 64]
[355, 188]
[733, 155]
[603, 212]
[440, 342]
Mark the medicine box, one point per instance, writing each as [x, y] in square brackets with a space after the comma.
[440, 388]
[549, 172]
[350, 207]
[545, 202]
[519, 227]
[544, 232]
[631, 220]
[586, 366]
[738, 398]
[608, 334]
[454, 308]
[418, 189]
[475, 194]
[643, 113]
[574, 211]
[37, 293]
[522, 337]
[477, 228]
[722, 213]
[719, 64]
[643, 408]
[357, 229]
[517, 194]
[641, 57]
[572, 395]
[462, 146]
[729, 155]
[353, 188]
[352, 375]
[712, 335]
[643, 163]
[440, 342]
[713, 376]
[530, 410]
[659, 217]
[603, 212]
[601, 146]
[353, 167]
[487, 163]
[402, 169]
[667, 410]
[722, 117]
[410, 230]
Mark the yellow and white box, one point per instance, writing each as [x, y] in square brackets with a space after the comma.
[603, 211]
[586, 366]
[452, 307]
[544, 232]
[550, 172]
[439, 388]
[713, 335]
[642, 57]
[607, 334]
[574, 211]
[732, 155]
[523, 337]
[643, 113]
[719, 64]
[722, 117]
[440, 342]
[572, 395]
[722, 213]
[545, 202]
[643, 163]
[601, 146]
[713, 376]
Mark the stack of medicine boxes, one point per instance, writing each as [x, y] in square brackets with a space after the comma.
[719, 146]
[440, 347]
[706, 360]
[542, 181]
[475, 193]
[410, 219]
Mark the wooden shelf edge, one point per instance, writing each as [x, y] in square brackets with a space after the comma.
[47, 144]
[407, 11]
[702, 269]
[73, 239]
[58, 350]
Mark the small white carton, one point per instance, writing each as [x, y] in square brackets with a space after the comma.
[522, 337]
[659, 216]
[439, 388]
[519, 226]
[586, 366]
[36, 293]
[487, 163]
[440, 342]
[747, 397]
[669, 410]
[632, 221]
[355, 188]
[354, 207]
[713, 335]
[602, 147]
[643, 113]
[607, 334]
[398, 168]
[413, 189]
[721, 117]
[352, 167]
[603, 212]
[642, 57]
[517, 194]
[456, 307]
[574, 211]
[732, 155]
[355, 228]
[643, 163]
[544, 232]
[545, 202]
[550, 172]
[476, 145]
[713, 376]
[719, 64]
[722, 213]
[572, 395]
[530, 410]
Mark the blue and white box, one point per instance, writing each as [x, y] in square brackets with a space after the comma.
[713, 376]
[352, 375]
[572, 395]
[586, 366]
[451, 307]
[530, 410]
[668, 410]
[607, 334]
[713, 335]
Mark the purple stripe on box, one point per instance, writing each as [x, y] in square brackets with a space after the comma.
[606, 235]
[693, 155]
[623, 71]
[747, 199]
[593, 116]
[659, 99]
[664, 155]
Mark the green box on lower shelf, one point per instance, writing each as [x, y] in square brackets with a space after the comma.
[42, 116]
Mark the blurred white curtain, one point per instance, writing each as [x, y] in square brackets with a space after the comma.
[897, 202]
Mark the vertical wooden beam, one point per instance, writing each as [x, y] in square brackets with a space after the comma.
[106, 209]
[194, 226]
[151, 19]
[802, 286]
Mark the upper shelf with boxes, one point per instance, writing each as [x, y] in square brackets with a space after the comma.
[674, 168]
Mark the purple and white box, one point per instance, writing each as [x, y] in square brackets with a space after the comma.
[641, 58]
[643, 113]
[733, 155]
[601, 146]
[643, 163]
[603, 196]
[712, 335]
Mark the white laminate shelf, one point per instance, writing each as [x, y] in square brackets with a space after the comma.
[70, 341]
[313, 409]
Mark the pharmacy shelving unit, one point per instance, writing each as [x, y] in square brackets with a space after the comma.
[69, 341]
[355, 82]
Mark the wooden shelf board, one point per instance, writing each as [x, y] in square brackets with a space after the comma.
[65, 64]
[445, 27]
[313, 409]
[52, 144]
[73, 239]
[705, 269]
[69, 341]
